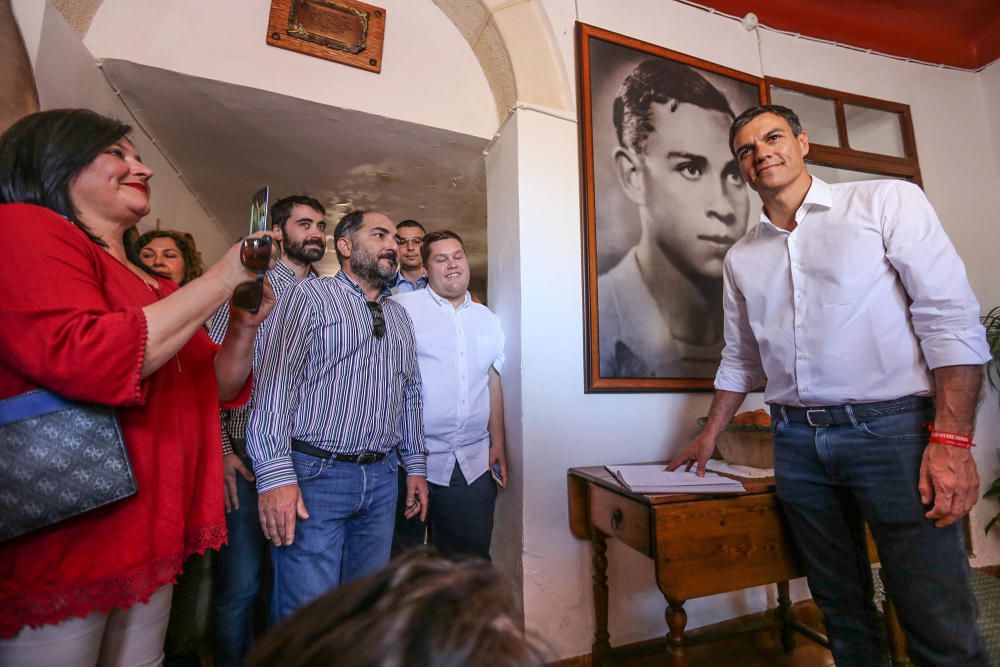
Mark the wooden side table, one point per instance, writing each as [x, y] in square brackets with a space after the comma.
[700, 545]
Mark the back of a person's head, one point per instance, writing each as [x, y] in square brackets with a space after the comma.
[420, 611]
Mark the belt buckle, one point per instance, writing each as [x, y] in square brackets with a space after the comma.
[367, 458]
[809, 416]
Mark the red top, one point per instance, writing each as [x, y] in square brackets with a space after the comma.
[71, 321]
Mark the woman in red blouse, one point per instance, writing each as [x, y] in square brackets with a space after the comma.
[77, 318]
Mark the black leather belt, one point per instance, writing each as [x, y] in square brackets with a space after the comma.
[364, 458]
[836, 415]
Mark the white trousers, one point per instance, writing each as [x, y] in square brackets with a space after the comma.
[130, 637]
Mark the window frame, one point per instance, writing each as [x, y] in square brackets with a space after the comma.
[844, 156]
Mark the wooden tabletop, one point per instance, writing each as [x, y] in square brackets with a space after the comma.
[599, 475]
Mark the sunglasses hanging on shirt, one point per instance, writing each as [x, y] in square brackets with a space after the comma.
[378, 318]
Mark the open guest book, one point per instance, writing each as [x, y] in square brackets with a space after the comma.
[654, 479]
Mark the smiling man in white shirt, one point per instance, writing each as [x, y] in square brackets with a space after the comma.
[850, 300]
[460, 354]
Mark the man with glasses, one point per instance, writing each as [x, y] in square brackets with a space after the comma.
[410, 235]
[301, 221]
[460, 352]
[411, 277]
[337, 394]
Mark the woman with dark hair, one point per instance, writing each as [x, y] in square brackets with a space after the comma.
[80, 320]
[171, 254]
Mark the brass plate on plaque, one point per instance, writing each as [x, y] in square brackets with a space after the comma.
[342, 31]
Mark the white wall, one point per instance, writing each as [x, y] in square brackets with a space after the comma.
[429, 73]
[504, 242]
[989, 80]
[67, 76]
[562, 427]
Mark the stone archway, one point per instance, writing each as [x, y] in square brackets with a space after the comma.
[511, 39]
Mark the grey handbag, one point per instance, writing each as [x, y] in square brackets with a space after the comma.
[57, 459]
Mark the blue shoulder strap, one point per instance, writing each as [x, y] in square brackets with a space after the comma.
[31, 404]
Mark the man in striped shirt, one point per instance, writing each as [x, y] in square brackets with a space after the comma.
[301, 222]
[337, 394]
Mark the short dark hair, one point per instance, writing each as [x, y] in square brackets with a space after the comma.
[193, 264]
[661, 81]
[419, 610]
[347, 227]
[434, 237]
[41, 154]
[790, 117]
[411, 223]
[282, 208]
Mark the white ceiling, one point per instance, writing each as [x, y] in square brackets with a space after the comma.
[228, 140]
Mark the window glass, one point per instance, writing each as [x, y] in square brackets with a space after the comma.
[874, 130]
[841, 175]
[817, 114]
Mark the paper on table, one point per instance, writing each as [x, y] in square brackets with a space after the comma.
[654, 479]
[716, 465]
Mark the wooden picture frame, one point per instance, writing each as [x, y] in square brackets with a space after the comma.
[652, 241]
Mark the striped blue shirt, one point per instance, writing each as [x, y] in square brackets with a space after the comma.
[234, 421]
[326, 379]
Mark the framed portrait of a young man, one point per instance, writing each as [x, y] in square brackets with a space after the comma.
[663, 200]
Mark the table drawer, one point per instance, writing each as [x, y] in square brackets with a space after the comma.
[621, 517]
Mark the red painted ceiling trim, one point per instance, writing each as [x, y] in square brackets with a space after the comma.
[957, 33]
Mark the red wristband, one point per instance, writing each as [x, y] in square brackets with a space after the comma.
[952, 437]
[952, 443]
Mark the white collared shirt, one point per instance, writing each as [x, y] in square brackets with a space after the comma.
[455, 349]
[858, 303]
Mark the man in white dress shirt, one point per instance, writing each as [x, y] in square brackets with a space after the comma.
[850, 300]
[460, 354]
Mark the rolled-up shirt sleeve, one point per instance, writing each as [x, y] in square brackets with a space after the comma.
[944, 310]
[740, 369]
[276, 393]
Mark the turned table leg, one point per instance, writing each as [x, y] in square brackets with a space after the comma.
[785, 616]
[676, 621]
[894, 634]
[601, 650]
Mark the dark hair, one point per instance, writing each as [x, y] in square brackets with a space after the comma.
[411, 223]
[41, 154]
[193, 264]
[282, 208]
[784, 112]
[347, 227]
[434, 237]
[660, 81]
[420, 611]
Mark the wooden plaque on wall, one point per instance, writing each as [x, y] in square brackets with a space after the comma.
[343, 31]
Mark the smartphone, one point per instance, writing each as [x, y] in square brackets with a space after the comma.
[258, 210]
[495, 471]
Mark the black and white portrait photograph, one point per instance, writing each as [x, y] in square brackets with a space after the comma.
[665, 202]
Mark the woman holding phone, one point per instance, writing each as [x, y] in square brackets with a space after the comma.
[79, 319]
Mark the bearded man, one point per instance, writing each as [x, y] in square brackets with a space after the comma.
[300, 222]
[337, 394]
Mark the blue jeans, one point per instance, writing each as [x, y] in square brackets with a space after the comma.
[348, 533]
[832, 480]
[238, 578]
